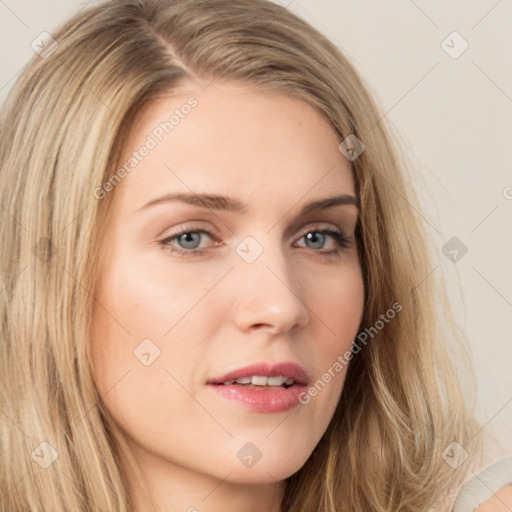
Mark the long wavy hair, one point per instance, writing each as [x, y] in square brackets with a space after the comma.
[62, 129]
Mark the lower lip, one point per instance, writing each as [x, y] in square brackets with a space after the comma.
[264, 400]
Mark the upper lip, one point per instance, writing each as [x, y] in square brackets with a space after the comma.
[286, 369]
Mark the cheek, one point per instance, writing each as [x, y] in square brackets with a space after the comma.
[338, 309]
[339, 305]
[138, 300]
[131, 353]
[143, 314]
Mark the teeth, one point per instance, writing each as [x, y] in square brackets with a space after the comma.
[244, 380]
[276, 381]
[260, 380]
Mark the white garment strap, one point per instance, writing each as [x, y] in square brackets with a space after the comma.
[484, 485]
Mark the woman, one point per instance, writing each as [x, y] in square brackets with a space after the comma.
[217, 292]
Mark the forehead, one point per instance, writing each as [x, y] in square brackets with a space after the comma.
[232, 138]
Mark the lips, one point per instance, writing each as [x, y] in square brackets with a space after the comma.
[262, 387]
[287, 370]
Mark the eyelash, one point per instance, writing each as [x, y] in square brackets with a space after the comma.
[342, 241]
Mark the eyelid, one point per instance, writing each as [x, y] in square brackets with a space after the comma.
[187, 227]
[192, 227]
[341, 240]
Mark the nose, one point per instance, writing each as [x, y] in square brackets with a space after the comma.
[268, 295]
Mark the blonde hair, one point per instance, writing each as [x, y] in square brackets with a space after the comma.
[62, 129]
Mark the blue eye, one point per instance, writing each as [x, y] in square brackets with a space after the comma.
[190, 241]
[341, 240]
[186, 243]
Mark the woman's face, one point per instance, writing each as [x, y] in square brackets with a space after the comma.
[193, 290]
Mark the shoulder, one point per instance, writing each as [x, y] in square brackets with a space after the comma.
[488, 491]
[500, 501]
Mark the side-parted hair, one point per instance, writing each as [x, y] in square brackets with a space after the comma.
[62, 130]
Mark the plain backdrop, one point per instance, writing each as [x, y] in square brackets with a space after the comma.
[453, 112]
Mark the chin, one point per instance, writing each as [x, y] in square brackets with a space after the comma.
[276, 467]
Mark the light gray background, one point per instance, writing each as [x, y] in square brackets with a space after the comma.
[454, 116]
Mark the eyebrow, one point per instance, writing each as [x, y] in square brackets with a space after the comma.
[217, 202]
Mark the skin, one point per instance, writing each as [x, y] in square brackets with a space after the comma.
[214, 312]
[499, 502]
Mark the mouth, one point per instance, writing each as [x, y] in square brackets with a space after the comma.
[263, 387]
[261, 382]
[263, 376]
